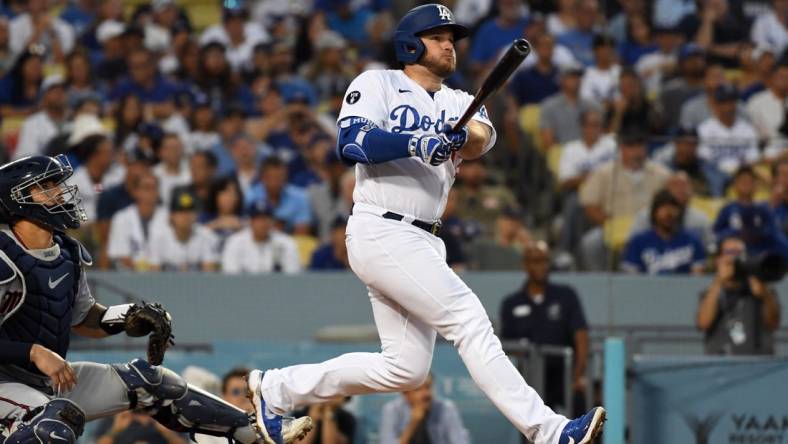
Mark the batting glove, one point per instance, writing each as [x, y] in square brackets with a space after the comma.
[456, 138]
[431, 149]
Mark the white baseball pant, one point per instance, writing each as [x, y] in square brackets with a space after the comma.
[414, 294]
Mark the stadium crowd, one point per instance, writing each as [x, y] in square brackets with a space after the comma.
[636, 137]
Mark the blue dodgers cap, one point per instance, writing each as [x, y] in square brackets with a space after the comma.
[691, 50]
[259, 207]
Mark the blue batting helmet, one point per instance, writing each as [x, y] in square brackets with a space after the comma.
[408, 45]
[27, 192]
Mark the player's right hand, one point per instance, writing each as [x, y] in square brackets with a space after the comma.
[431, 149]
[57, 369]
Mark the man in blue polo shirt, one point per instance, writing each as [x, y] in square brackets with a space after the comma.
[534, 84]
[666, 247]
[290, 203]
[145, 82]
[548, 314]
[498, 32]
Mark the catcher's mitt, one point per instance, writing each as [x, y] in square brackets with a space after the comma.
[153, 319]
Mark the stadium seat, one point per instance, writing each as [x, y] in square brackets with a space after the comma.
[306, 246]
[708, 206]
[9, 131]
[616, 232]
[554, 159]
[529, 122]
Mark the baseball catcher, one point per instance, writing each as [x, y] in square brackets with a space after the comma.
[44, 297]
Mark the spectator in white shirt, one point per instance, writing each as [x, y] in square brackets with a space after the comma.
[184, 245]
[38, 27]
[771, 28]
[657, 66]
[133, 226]
[600, 81]
[236, 34]
[727, 140]
[91, 177]
[767, 108]
[260, 248]
[246, 155]
[40, 128]
[173, 168]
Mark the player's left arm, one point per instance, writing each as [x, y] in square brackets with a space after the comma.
[479, 135]
[90, 327]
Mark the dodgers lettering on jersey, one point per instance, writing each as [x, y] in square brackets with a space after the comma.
[396, 103]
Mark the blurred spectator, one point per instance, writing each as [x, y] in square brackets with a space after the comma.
[80, 83]
[689, 83]
[173, 168]
[479, 201]
[560, 115]
[97, 156]
[505, 249]
[183, 244]
[329, 66]
[333, 423]
[623, 14]
[563, 19]
[19, 88]
[617, 189]
[7, 57]
[749, 220]
[779, 194]
[246, 157]
[145, 82]
[350, 21]
[579, 159]
[325, 198]
[202, 168]
[600, 80]
[216, 79]
[234, 388]
[452, 235]
[290, 204]
[131, 427]
[314, 159]
[128, 246]
[638, 42]
[224, 208]
[231, 124]
[545, 313]
[203, 135]
[669, 13]
[128, 117]
[237, 34]
[39, 128]
[580, 39]
[666, 247]
[630, 110]
[767, 108]
[497, 32]
[658, 66]
[111, 64]
[737, 313]
[699, 108]
[756, 66]
[692, 220]
[418, 417]
[37, 27]
[771, 28]
[332, 255]
[532, 85]
[260, 248]
[717, 29]
[682, 155]
[727, 140]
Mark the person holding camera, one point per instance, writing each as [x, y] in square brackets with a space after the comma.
[738, 312]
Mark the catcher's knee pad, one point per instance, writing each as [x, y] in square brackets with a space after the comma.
[59, 421]
[150, 385]
[200, 412]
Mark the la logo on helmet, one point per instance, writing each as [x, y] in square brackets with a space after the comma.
[444, 12]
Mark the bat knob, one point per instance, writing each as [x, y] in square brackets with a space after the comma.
[522, 46]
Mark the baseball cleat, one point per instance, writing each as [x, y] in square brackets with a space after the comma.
[584, 429]
[270, 427]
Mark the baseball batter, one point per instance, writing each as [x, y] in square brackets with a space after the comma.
[44, 297]
[396, 127]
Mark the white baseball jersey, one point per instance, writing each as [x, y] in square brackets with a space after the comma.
[396, 103]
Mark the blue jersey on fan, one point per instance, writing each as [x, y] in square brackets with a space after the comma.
[754, 223]
[647, 252]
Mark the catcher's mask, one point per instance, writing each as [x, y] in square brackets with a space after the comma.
[34, 188]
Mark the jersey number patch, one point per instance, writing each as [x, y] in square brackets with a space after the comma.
[9, 302]
[353, 97]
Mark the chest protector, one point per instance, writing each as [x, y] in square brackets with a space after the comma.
[45, 307]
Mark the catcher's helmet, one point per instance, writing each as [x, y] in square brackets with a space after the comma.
[55, 204]
[408, 45]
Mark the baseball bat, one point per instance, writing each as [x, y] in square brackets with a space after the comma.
[495, 80]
